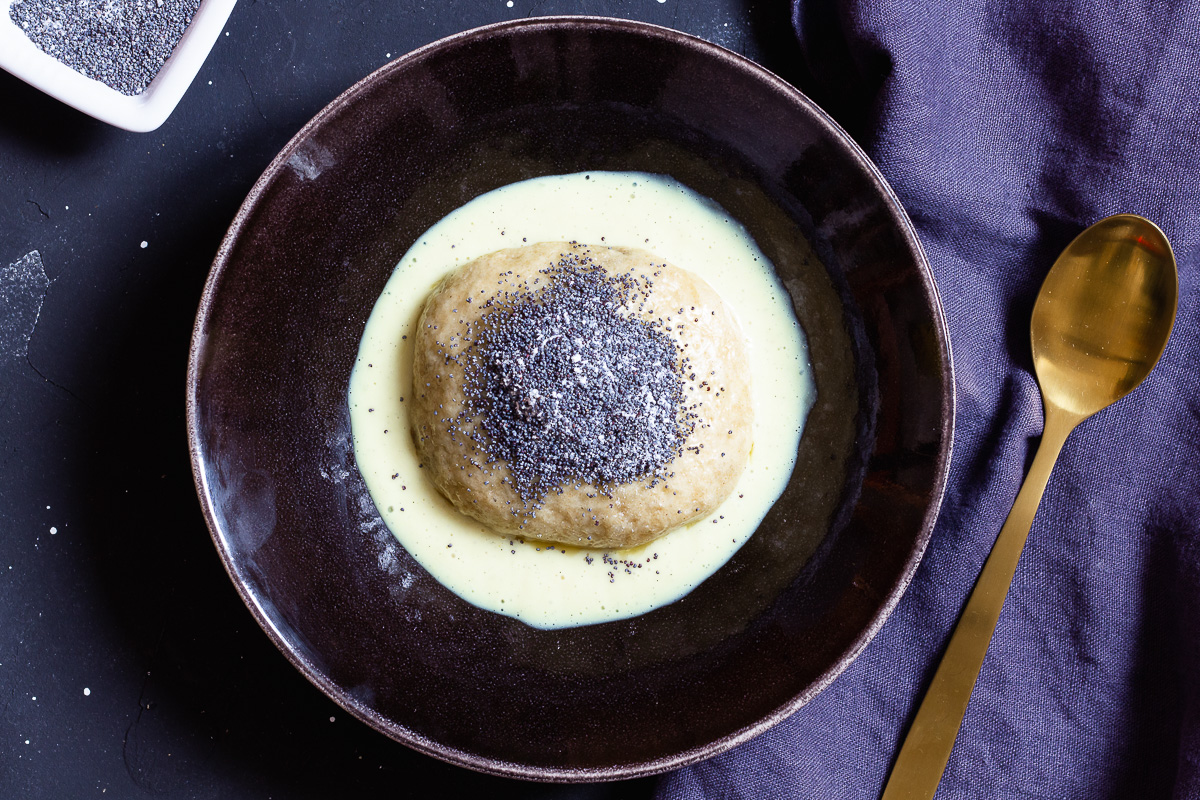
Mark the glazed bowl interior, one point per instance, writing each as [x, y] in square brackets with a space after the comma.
[278, 331]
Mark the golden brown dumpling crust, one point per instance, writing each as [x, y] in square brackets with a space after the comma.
[633, 513]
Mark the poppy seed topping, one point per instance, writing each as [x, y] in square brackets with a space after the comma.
[570, 385]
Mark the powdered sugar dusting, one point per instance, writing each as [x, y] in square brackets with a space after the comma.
[23, 286]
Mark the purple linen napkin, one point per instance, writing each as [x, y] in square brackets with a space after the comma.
[1006, 127]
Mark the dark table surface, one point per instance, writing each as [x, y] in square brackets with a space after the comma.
[128, 665]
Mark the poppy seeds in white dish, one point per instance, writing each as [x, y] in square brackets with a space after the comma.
[121, 43]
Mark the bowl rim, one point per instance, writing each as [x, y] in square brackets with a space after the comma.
[498, 767]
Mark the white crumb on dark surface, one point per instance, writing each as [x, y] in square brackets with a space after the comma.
[121, 43]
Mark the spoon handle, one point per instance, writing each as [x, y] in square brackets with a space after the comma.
[926, 749]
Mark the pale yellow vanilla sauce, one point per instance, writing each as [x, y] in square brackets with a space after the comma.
[552, 586]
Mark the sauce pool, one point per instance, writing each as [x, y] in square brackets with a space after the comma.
[550, 585]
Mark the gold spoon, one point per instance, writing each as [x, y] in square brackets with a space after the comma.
[1101, 321]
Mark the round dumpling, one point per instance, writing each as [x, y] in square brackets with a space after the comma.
[591, 396]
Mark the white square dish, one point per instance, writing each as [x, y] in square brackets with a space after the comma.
[139, 113]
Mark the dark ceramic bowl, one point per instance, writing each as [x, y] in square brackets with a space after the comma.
[278, 330]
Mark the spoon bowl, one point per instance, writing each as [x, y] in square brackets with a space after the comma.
[1099, 325]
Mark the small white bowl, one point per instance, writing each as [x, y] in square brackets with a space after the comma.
[143, 112]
